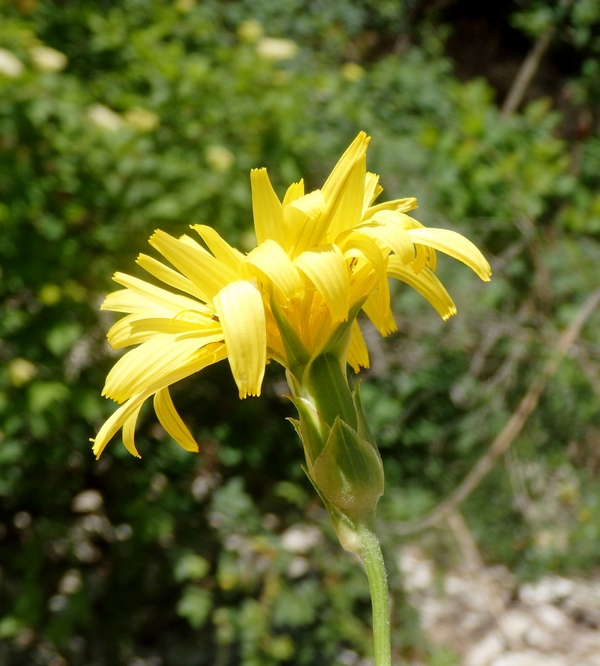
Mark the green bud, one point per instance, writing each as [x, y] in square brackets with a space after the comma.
[349, 472]
[345, 529]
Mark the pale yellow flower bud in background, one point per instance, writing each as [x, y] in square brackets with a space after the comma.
[250, 31]
[272, 48]
[10, 65]
[49, 294]
[352, 72]
[48, 59]
[21, 371]
[104, 118]
[219, 158]
[141, 119]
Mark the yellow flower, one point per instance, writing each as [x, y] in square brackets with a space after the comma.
[319, 258]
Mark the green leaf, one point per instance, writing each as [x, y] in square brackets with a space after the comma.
[43, 395]
[62, 337]
[195, 606]
[191, 567]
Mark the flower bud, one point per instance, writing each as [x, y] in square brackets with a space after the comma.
[349, 471]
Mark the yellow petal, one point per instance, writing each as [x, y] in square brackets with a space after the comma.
[387, 230]
[377, 308]
[205, 357]
[266, 207]
[405, 220]
[138, 328]
[270, 259]
[169, 276]
[156, 296]
[171, 421]
[342, 169]
[360, 246]
[126, 300]
[326, 268]
[149, 363]
[358, 354]
[129, 432]
[294, 191]
[336, 187]
[348, 208]
[191, 242]
[205, 271]
[116, 421]
[424, 256]
[397, 206]
[426, 283]
[241, 312]
[456, 246]
[219, 247]
[372, 189]
[365, 281]
[301, 219]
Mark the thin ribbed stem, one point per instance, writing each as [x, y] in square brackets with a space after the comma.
[372, 558]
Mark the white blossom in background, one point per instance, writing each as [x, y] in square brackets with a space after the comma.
[21, 371]
[300, 538]
[141, 119]
[352, 72]
[10, 65]
[48, 59]
[219, 158]
[71, 582]
[250, 31]
[87, 501]
[104, 117]
[272, 48]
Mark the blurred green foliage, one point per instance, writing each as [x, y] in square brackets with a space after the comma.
[118, 118]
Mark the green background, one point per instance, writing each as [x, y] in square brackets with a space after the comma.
[153, 120]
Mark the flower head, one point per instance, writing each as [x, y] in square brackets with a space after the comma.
[320, 258]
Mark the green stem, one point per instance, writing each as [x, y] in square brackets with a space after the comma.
[372, 558]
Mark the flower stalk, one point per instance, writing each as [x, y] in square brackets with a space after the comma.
[372, 559]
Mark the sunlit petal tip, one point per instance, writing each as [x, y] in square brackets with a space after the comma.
[372, 189]
[172, 422]
[427, 284]
[294, 191]
[449, 313]
[126, 415]
[218, 246]
[389, 328]
[454, 245]
[266, 208]
[129, 432]
[363, 136]
[338, 176]
[105, 305]
[208, 273]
